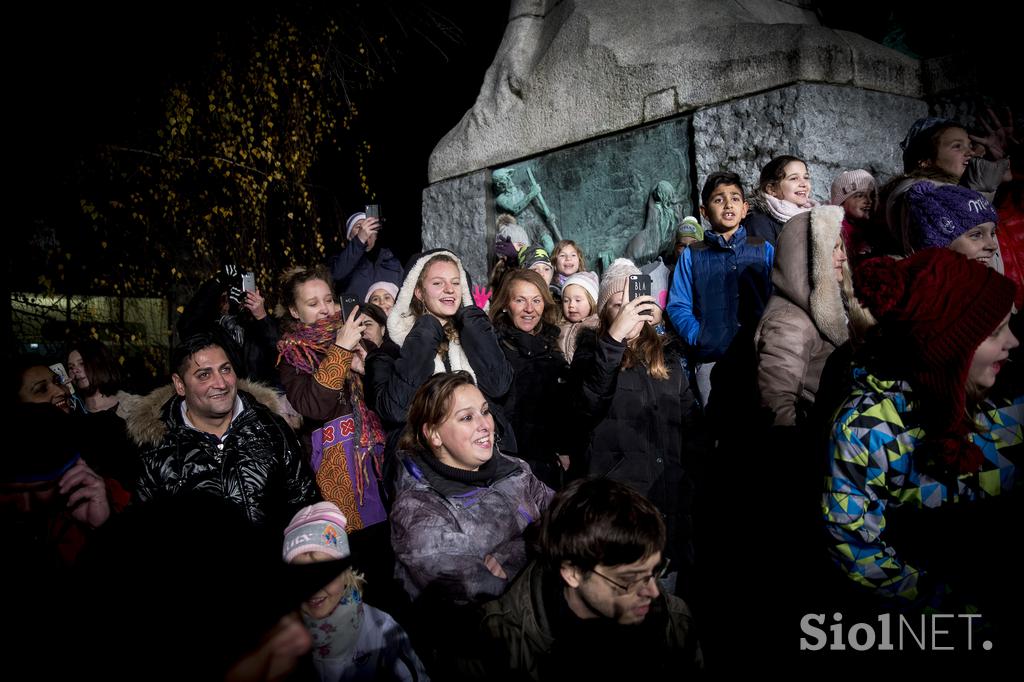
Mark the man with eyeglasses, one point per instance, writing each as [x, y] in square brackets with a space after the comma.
[591, 605]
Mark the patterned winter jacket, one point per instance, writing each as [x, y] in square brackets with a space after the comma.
[872, 470]
[442, 529]
[258, 464]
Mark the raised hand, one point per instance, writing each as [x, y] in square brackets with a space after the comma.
[999, 135]
[367, 231]
[236, 293]
[504, 248]
[227, 275]
[481, 295]
[255, 303]
[633, 315]
[351, 332]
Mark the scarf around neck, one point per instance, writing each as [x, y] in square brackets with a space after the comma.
[304, 348]
[782, 210]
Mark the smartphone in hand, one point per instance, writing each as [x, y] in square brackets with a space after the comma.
[249, 282]
[639, 285]
[372, 210]
[348, 303]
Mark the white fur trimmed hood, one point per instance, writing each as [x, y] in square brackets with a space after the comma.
[402, 319]
[803, 271]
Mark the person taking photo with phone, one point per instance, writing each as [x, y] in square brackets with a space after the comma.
[637, 419]
[51, 505]
[362, 261]
[232, 301]
[322, 352]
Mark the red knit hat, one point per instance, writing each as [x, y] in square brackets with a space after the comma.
[934, 309]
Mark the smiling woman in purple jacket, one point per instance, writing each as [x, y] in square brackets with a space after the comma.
[461, 506]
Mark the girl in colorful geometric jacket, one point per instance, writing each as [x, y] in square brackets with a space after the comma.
[921, 448]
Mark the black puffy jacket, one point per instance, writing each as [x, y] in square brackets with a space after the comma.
[258, 464]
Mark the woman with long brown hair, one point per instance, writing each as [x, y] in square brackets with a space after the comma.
[636, 416]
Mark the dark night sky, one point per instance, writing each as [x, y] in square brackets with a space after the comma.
[86, 75]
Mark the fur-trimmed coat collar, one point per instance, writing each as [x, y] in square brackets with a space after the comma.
[803, 271]
[145, 414]
[758, 203]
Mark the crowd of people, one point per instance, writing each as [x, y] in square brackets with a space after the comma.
[564, 473]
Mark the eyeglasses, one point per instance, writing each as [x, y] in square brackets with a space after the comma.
[660, 571]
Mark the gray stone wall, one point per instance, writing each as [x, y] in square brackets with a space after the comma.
[601, 99]
[833, 127]
[458, 215]
[599, 189]
[572, 70]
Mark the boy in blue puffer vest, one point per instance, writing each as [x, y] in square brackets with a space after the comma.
[721, 284]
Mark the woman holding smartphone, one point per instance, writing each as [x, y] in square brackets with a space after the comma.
[637, 417]
[321, 367]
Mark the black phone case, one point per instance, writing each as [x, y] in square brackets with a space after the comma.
[639, 285]
[347, 304]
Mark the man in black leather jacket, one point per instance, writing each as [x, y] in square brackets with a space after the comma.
[209, 437]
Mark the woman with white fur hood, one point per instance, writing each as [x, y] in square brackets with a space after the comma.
[807, 315]
[435, 327]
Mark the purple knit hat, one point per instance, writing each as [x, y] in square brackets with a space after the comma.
[941, 213]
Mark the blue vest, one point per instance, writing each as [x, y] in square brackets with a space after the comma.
[731, 286]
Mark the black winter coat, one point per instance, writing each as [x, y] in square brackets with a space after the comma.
[647, 433]
[354, 269]
[762, 225]
[258, 464]
[394, 373]
[535, 403]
